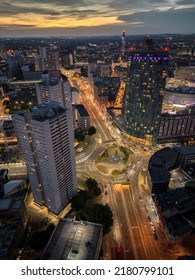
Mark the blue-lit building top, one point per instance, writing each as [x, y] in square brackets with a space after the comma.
[147, 72]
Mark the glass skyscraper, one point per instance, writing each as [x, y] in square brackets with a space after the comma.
[147, 72]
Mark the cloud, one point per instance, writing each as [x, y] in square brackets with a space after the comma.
[173, 20]
[16, 26]
[7, 9]
[186, 2]
[137, 16]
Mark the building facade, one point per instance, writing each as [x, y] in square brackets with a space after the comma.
[46, 138]
[81, 117]
[146, 78]
[54, 87]
[179, 127]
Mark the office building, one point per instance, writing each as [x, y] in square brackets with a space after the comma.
[45, 135]
[165, 160]
[106, 90]
[67, 59]
[52, 60]
[185, 73]
[181, 96]
[146, 78]
[178, 126]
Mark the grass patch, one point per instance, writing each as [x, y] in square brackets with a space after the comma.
[118, 172]
[103, 169]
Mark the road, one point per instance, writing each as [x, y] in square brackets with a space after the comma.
[127, 194]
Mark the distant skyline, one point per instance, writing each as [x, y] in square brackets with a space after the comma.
[22, 18]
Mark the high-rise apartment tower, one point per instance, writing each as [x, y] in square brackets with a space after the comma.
[147, 72]
[54, 87]
[46, 138]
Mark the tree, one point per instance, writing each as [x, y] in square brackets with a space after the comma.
[91, 130]
[100, 214]
[93, 188]
[91, 183]
[79, 200]
[6, 102]
[40, 238]
[79, 136]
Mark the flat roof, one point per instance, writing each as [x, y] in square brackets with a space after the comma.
[159, 175]
[176, 200]
[185, 150]
[11, 185]
[82, 111]
[73, 240]
[5, 203]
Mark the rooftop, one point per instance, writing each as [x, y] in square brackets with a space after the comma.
[176, 201]
[74, 240]
[185, 150]
[82, 111]
[45, 111]
[12, 185]
[177, 226]
[181, 89]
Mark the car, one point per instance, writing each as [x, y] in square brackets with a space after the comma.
[79, 150]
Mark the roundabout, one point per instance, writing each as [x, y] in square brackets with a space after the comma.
[113, 160]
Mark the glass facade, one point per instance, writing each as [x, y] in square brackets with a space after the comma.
[147, 72]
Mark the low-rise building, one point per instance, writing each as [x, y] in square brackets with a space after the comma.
[165, 160]
[176, 229]
[11, 233]
[177, 201]
[81, 117]
[159, 166]
[13, 218]
[74, 240]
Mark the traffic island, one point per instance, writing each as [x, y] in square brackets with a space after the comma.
[114, 160]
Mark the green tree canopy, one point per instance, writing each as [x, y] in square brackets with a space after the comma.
[79, 136]
[39, 238]
[91, 130]
[93, 188]
[79, 200]
[100, 214]
[6, 102]
[91, 183]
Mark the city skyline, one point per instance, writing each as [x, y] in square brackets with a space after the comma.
[21, 18]
[97, 130]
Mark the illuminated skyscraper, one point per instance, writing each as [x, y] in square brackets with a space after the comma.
[123, 43]
[46, 138]
[147, 72]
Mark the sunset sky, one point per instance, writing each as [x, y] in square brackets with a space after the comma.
[92, 17]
